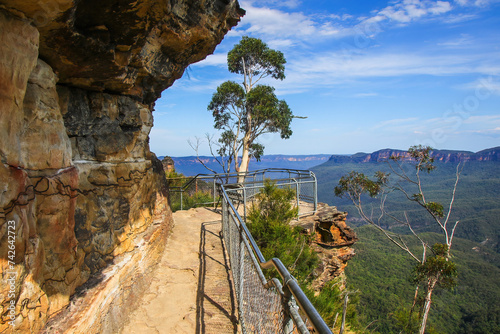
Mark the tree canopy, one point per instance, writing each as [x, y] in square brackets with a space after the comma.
[245, 112]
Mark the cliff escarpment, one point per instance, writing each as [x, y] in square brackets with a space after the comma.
[80, 191]
[492, 154]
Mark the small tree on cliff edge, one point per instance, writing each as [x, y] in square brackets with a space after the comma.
[244, 112]
[433, 267]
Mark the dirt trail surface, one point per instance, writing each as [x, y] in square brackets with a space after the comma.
[191, 291]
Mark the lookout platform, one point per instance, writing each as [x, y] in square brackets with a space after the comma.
[191, 290]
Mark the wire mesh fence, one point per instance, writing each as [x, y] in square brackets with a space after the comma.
[262, 305]
[203, 189]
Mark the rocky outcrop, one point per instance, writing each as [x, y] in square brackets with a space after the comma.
[332, 241]
[82, 199]
[492, 154]
[168, 164]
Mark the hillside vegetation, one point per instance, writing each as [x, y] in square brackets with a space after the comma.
[477, 204]
[380, 271]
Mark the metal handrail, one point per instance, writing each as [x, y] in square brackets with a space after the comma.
[289, 282]
[298, 177]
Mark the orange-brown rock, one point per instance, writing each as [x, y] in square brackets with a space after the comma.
[168, 164]
[333, 239]
[86, 197]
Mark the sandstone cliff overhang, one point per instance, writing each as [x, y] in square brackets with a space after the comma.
[86, 199]
[127, 47]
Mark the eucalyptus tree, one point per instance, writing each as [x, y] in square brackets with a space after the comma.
[433, 264]
[245, 111]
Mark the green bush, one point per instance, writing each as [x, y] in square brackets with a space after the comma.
[270, 218]
[269, 222]
[197, 194]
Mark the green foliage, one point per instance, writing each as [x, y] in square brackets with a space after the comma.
[434, 271]
[269, 223]
[228, 97]
[270, 218]
[477, 202]
[268, 112]
[406, 320]
[329, 303]
[437, 267]
[243, 113]
[355, 184]
[197, 194]
[251, 54]
[435, 208]
[381, 274]
[231, 106]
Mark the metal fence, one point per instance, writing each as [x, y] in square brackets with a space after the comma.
[242, 187]
[264, 306]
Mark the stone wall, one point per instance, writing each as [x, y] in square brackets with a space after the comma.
[80, 191]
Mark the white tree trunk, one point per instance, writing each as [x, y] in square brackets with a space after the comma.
[427, 304]
[245, 160]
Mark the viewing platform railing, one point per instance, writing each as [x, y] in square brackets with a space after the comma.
[244, 187]
[264, 306]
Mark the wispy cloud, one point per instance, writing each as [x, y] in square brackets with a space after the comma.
[410, 10]
[398, 122]
[476, 3]
[365, 95]
[463, 40]
[458, 18]
[263, 20]
[333, 68]
[218, 59]
[485, 86]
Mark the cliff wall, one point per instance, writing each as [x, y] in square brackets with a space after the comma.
[80, 192]
[333, 241]
[492, 154]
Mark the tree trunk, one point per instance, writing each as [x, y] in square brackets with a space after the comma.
[427, 304]
[245, 160]
[344, 312]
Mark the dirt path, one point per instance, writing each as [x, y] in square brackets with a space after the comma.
[191, 290]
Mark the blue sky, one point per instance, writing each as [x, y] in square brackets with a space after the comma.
[367, 74]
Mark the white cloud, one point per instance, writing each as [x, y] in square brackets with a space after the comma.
[458, 18]
[274, 22]
[218, 59]
[365, 95]
[399, 122]
[477, 3]
[279, 3]
[483, 87]
[463, 40]
[381, 65]
[409, 10]
[261, 20]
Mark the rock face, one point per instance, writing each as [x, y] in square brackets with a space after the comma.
[168, 164]
[333, 239]
[80, 192]
[492, 154]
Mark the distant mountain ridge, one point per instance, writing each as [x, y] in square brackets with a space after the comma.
[491, 154]
[191, 166]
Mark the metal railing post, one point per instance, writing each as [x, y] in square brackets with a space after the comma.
[297, 195]
[315, 190]
[182, 191]
[245, 204]
[213, 182]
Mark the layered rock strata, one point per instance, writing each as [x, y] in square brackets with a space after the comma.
[332, 241]
[82, 199]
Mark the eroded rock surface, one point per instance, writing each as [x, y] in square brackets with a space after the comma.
[82, 198]
[333, 240]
